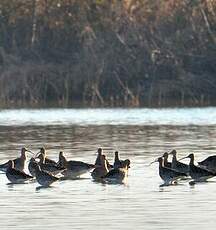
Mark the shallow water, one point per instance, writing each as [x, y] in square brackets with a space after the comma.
[139, 134]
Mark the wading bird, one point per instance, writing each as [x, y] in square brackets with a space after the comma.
[118, 175]
[196, 173]
[98, 161]
[19, 163]
[16, 176]
[100, 170]
[166, 163]
[177, 165]
[120, 163]
[44, 178]
[47, 160]
[209, 163]
[168, 175]
[73, 169]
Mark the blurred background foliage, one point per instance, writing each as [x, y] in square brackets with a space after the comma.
[107, 52]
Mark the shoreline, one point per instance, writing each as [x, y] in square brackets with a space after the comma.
[79, 106]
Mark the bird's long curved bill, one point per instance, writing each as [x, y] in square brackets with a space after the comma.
[183, 158]
[36, 154]
[153, 162]
[29, 151]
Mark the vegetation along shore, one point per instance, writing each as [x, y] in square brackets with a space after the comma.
[107, 53]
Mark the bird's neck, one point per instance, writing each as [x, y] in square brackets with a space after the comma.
[98, 159]
[63, 161]
[174, 159]
[191, 161]
[104, 165]
[116, 158]
[42, 159]
[23, 156]
[161, 164]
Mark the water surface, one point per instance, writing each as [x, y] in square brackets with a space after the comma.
[182, 116]
[138, 134]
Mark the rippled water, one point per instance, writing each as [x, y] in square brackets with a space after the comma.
[193, 116]
[138, 134]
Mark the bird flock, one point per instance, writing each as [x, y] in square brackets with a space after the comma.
[171, 172]
[47, 171]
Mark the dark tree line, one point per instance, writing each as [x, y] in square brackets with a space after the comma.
[107, 52]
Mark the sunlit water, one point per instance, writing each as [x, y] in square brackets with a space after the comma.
[138, 134]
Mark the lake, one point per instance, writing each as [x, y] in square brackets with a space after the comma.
[138, 134]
